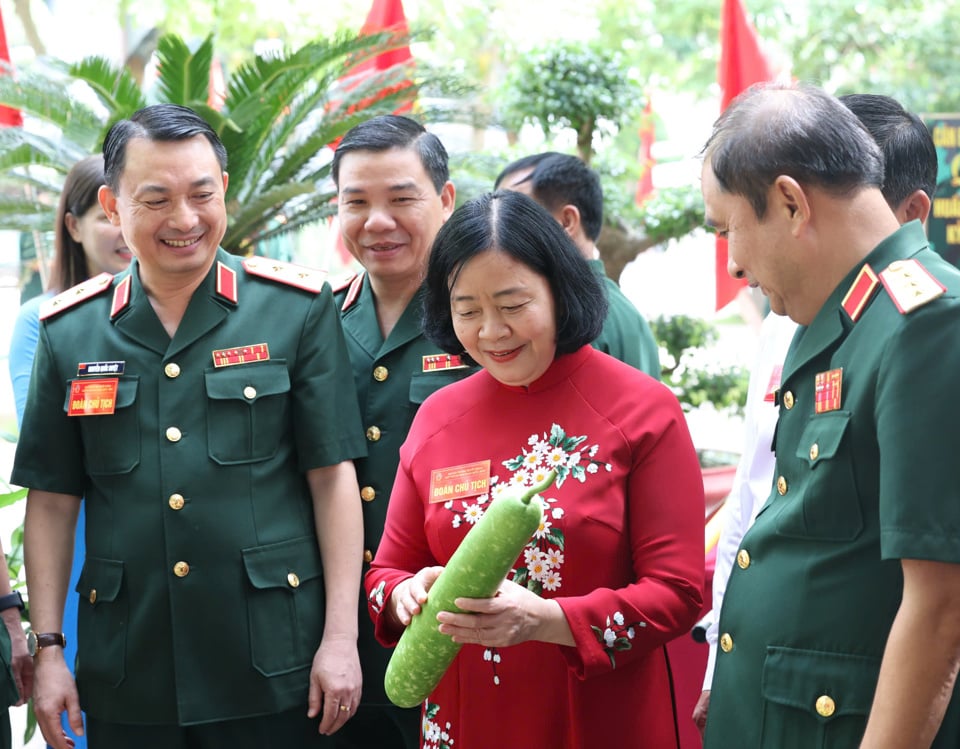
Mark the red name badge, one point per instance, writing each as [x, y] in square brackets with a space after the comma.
[460, 482]
[774, 385]
[93, 397]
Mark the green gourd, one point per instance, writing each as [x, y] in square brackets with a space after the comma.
[475, 570]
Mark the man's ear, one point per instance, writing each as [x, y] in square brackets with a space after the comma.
[789, 198]
[915, 206]
[108, 201]
[569, 218]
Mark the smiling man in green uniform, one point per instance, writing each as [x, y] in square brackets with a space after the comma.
[203, 408]
[571, 191]
[841, 621]
[394, 194]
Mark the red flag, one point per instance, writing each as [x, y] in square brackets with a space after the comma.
[742, 63]
[384, 15]
[647, 134]
[8, 116]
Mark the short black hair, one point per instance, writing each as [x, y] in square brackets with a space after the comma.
[559, 179]
[522, 164]
[909, 155]
[795, 130]
[395, 131]
[158, 122]
[510, 222]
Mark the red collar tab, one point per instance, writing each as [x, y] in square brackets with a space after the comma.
[226, 282]
[859, 294]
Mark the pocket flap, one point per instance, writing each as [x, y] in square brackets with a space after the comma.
[248, 383]
[822, 436]
[100, 580]
[283, 565]
[826, 685]
[425, 384]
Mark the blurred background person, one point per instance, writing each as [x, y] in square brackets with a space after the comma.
[572, 193]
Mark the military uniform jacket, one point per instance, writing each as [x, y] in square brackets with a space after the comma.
[393, 377]
[626, 335]
[865, 476]
[201, 597]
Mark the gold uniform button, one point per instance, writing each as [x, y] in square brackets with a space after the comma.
[781, 486]
[367, 556]
[373, 433]
[826, 706]
[814, 451]
[93, 596]
[176, 502]
[172, 370]
[249, 392]
[174, 434]
[293, 579]
[726, 642]
[788, 400]
[367, 494]
[181, 569]
[380, 374]
[743, 559]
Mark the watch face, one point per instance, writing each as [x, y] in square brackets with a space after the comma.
[31, 643]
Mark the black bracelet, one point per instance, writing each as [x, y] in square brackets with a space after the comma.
[10, 600]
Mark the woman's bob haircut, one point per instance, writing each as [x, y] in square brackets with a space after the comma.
[510, 222]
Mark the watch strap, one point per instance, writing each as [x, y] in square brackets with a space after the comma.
[45, 640]
[11, 600]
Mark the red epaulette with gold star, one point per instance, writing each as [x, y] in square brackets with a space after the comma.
[73, 296]
[298, 276]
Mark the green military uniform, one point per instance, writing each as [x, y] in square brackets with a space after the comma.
[626, 335]
[201, 597]
[865, 461]
[393, 377]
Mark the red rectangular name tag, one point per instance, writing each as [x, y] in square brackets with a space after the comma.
[460, 482]
[93, 397]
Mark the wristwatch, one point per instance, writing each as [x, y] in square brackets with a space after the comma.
[37, 642]
[10, 600]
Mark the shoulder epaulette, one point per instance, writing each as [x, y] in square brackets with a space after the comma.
[342, 281]
[353, 292]
[910, 285]
[299, 276]
[73, 296]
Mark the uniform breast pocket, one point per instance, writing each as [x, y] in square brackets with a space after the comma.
[814, 699]
[247, 411]
[822, 498]
[111, 442]
[425, 384]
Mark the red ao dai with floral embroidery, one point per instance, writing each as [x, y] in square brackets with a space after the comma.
[620, 549]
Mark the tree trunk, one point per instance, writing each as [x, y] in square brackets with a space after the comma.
[22, 8]
[618, 247]
[585, 141]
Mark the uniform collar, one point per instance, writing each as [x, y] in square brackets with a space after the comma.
[831, 321]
